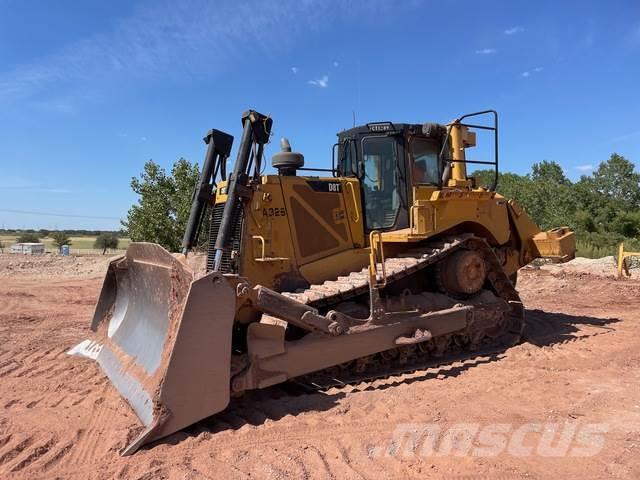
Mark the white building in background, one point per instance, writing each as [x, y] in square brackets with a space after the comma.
[28, 248]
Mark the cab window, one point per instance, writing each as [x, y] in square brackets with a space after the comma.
[347, 164]
[423, 154]
[379, 180]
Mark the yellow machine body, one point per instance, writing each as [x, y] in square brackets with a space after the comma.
[295, 236]
[300, 279]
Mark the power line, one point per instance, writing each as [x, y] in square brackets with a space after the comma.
[48, 214]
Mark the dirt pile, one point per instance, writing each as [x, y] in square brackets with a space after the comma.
[49, 265]
[198, 263]
[598, 267]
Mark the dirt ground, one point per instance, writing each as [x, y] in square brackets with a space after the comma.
[578, 367]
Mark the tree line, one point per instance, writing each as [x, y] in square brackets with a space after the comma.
[60, 238]
[44, 232]
[602, 208]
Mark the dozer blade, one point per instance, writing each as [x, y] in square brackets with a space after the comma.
[163, 339]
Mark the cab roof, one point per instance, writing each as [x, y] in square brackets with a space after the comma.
[373, 128]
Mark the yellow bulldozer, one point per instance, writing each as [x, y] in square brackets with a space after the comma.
[394, 255]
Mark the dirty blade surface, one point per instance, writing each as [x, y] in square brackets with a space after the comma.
[163, 339]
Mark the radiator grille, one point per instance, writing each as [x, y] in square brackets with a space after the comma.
[228, 264]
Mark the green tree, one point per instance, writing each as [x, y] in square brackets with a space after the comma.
[1, 246]
[549, 171]
[617, 180]
[511, 185]
[602, 208]
[27, 237]
[59, 239]
[516, 187]
[164, 203]
[106, 240]
[627, 224]
[44, 232]
[551, 202]
[546, 193]
[610, 196]
[584, 222]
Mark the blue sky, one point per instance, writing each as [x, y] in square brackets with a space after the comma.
[91, 90]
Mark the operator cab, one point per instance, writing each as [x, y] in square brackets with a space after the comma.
[389, 159]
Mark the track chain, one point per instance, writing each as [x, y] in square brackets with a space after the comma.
[408, 359]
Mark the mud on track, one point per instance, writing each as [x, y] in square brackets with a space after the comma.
[581, 363]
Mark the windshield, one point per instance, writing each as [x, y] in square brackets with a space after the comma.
[424, 161]
[379, 180]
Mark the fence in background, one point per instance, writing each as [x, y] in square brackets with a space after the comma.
[87, 251]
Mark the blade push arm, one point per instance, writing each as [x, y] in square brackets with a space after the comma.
[257, 129]
[219, 149]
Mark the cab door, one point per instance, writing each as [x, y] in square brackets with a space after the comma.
[384, 185]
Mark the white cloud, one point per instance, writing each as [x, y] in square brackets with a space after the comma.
[626, 136]
[158, 39]
[321, 82]
[144, 139]
[61, 105]
[528, 73]
[294, 70]
[513, 30]
[336, 64]
[57, 190]
[584, 168]
[21, 184]
[486, 51]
